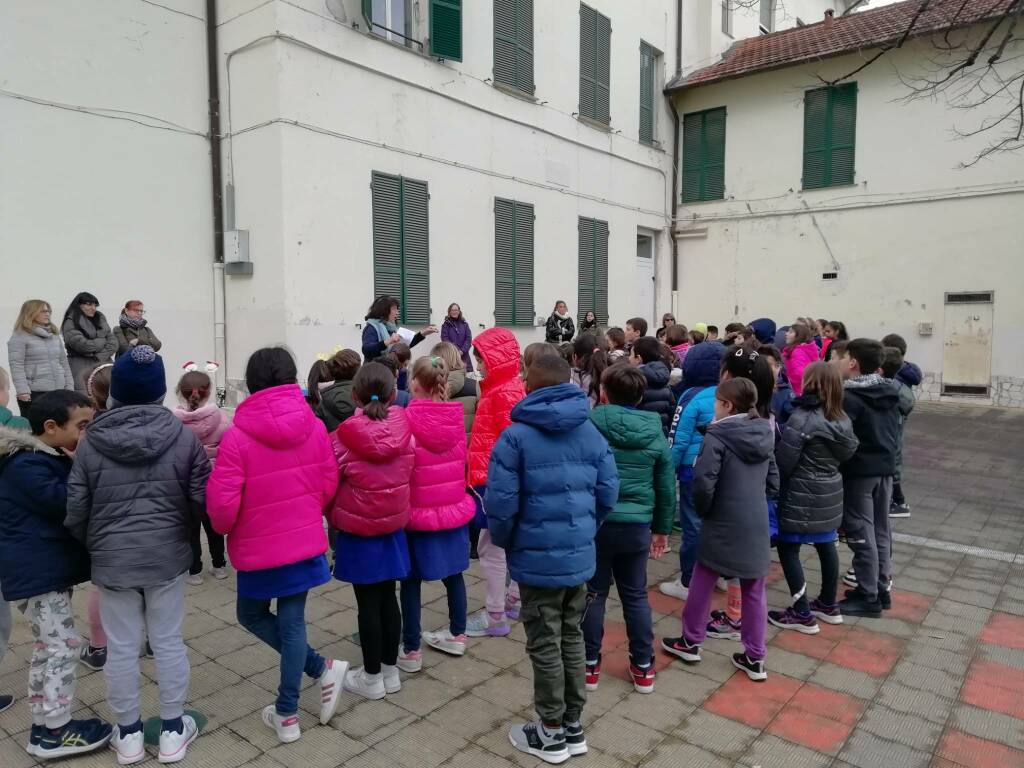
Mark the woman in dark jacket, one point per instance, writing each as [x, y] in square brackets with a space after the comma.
[87, 336]
[455, 330]
[818, 438]
[588, 325]
[560, 327]
[132, 329]
[381, 329]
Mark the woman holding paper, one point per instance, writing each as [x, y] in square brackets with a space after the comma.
[382, 329]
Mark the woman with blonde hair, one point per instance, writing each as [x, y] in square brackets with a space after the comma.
[36, 353]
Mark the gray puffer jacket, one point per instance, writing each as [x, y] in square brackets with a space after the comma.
[136, 490]
[735, 471]
[88, 346]
[38, 362]
[808, 457]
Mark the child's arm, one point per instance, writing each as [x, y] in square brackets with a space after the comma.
[664, 493]
[606, 492]
[79, 494]
[501, 502]
[46, 490]
[226, 484]
[329, 472]
[705, 474]
[772, 482]
[684, 433]
[787, 453]
[198, 475]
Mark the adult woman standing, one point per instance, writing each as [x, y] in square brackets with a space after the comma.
[131, 329]
[36, 354]
[588, 325]
[87, 336]
[455, 330]
[560, 328]
[667, 321]
[381, 329]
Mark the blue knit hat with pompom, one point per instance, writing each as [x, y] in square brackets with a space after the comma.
[137, 377]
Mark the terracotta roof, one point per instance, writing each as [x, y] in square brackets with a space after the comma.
[858, 31]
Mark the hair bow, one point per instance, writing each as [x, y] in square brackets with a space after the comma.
[325, 356]
[191, 367]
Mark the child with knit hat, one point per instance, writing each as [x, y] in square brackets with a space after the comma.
[134, 494]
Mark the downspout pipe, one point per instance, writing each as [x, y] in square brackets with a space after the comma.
[674, 202]
[220, 347]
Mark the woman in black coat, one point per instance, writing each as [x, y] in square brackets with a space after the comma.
[560, 327]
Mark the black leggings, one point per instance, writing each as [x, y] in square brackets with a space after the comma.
[380, 624]
[789, 557]
[215, 542]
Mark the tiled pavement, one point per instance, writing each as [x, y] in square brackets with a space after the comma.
[938, 682]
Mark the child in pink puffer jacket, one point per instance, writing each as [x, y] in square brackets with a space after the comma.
[800, 352]
[438, 529]
[274, 477]
[374, 450]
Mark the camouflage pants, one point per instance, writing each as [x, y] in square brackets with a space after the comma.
[51, 673]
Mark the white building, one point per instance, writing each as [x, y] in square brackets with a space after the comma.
[332, 115]
[853, 203]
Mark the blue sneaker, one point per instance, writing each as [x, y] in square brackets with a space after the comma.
[34, 737]
[76, 737]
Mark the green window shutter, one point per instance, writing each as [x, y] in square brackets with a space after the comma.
[513, 44]
[524, 219]
[446, 29]
[593, 268]
[646, 93]
[601, 271]
[386, 194]
[704, 155]
[595, 64]
[513, 262]
[830, 129]
[401, 255]
[368, 15]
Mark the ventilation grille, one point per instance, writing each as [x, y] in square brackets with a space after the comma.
[829, 275]
[978, 297]
[965, 389]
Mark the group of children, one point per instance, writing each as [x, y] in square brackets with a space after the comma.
[558, 457]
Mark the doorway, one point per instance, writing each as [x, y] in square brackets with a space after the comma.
[967, 348]
[643, 290]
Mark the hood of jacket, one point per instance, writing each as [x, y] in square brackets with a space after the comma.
[627, 428]
[377, 441]
[278, 417]
[500, 352]
[436, 426]
[703, 364]
[876, 392]
[839, 432]
[909, 374]
[134, 434]
[656, 373]
[750, 438]
[14, 440]
[560, 408]
[204, 421]
[340, 392]
[764, 329]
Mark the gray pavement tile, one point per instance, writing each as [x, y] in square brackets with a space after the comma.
[250, 659]
[420, 694]
[654, 710]
[608, 696]
[866, 750]
[473, 756]
[902, 698]
[936, 658]
[673, 753]
[851, 681]
[208, 678]
[769, 751]
[993, 726]
[319, 747]
[221, 748]
[460, 672]
[717, 734]
[222, 641]
[791, 664]
[507, 690]
[969, 596]
[13, 754]
[907, 729]
[679, 683]
[497, 651]
[371, 721]
[622, 738]
[421, 744]
[229, 704]
[475, 716]
[937, 681]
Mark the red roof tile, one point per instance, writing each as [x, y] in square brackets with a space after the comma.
[858, 31]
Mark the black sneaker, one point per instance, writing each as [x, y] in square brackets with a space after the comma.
[753, 667]
[899, 510]
[850, 578]
[6, 702]
[885, 593]
[535, 739]
[574, 738]
[679, 646]
[75, 738]
[858, 603]
[34, 737]
[93, 658]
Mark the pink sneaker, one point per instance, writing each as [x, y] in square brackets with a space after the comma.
[445, 641]
[409, 661]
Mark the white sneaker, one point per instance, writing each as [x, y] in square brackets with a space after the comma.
[130, 749]
[220, 573]
[410, 661]
[174, 745]
[444, 640]
[194, 579]
[287, 726]
[331, 683]
[392, 680]
[722, 585]
[674, 589]
[370, 686]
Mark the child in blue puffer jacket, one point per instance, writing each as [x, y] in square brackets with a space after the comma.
[551, 481]
[695, 410]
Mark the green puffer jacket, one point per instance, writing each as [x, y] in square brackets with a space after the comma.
[647, 479]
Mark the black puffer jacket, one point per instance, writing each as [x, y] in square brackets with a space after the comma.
[336, 404]
[872, 403]
[137, 488]
[808, 457]
[658, 396]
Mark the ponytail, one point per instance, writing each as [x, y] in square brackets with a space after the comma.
[591, 359]
[374, 388]
[431, 373]
[194, 389]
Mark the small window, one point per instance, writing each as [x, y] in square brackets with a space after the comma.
[727, 18]
[767, 16]
[595, 67]
[830, 132]
[401, 254]
[704, 155]
[391, 20]
[513, 44]
[593, 269]
[513, 262]
[648, 72]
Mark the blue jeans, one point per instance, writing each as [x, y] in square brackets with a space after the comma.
[410, 598]
[286, 634]
[690, 524]
[622, 552]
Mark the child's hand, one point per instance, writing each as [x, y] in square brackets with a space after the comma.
[659, 543]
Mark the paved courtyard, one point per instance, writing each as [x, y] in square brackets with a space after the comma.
[938, 682]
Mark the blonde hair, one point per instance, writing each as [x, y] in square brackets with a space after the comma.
[450, 354]
[431, 373]
[28, 311]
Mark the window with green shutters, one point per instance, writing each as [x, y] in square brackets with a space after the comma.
[704, 155]
[830, 133]
[593, 269]
[513, 262]
[513, 44]
[446, 29]
[595, 67]
[401, 254]
[646, 93]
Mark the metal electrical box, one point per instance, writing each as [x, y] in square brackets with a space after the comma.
[236, 252]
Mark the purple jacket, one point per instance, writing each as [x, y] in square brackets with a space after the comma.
[458, 332]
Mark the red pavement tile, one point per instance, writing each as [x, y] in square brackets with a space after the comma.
[867, 651]
[614, 635]
[817, 646]
[910, 606]
[810, 730]
[755, 704]
[995, 687]
[1005, 630]
[965, 750]
[827, 703]
[615, 663]
[663, 603]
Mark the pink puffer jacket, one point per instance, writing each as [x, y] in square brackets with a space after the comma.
[797, 359]
[439, 501]
[275, 476]
[375, 459]
[208, 422]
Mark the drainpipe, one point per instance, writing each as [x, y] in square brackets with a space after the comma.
[674, 202]
[220, 349]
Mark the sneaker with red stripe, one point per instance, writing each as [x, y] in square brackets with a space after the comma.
[331, 683]
[286, 726]
[593, 674]
[643, 677]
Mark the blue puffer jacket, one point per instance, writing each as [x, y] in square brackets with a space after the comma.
[551, 482]
[37, 554]
[698, 412]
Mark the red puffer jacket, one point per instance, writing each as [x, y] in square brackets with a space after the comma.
[500, 390]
